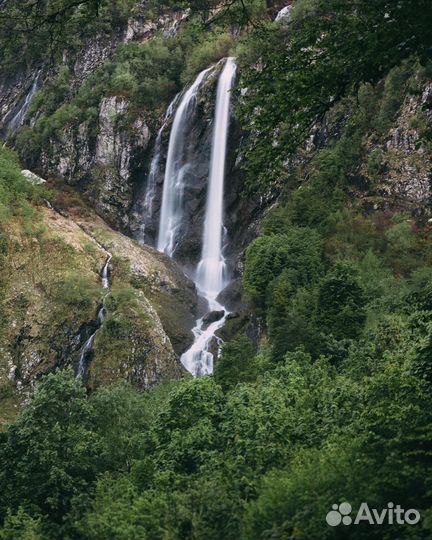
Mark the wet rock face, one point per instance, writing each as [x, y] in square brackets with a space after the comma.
[14, 96]
[213, 316]
[188, 247]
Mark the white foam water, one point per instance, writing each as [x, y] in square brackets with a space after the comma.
[211, 271]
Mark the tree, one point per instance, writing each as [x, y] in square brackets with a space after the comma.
[297, 253]
[21, 526]
[51, 456]
[341, 303]
[325, 53]
[236, 363]
[41, 29]
[291, 318]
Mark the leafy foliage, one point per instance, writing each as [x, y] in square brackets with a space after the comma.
[32, 32]
[298, 253]
[328, 50]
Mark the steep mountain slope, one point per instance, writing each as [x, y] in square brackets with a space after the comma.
[52, 289]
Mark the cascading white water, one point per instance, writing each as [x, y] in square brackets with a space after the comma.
[211, 270]
[18, 119]
[147, 208]
[105, 273]
[176, 167]
[101, 316]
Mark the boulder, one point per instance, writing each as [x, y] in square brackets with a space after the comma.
[213, 316]
[32, 177]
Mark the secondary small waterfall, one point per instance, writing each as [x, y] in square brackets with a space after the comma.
[150, 193]
[18, 119]
[87, 348]
[176, 167]
[211, 271]
[105, 273]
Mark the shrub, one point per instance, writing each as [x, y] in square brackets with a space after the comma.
[212, 48]
[298, 253]
[15, 190]
[341, 303]
[77, 291]
[21, 526]
[236, 363]
[291, 318]
[393, 95]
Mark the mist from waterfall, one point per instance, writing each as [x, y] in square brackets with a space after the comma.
[211, 270]
[176, 167]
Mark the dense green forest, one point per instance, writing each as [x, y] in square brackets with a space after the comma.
[333, 403]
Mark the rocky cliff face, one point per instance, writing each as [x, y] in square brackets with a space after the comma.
[101, 166]
[395, 170]
[407, 164]
[100, 158]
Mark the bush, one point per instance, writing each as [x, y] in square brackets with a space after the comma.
[212, 48]
[393, 95]
[77, 291]
[297, 253]
[15, 190]
[341, 303]
[21, 526]
[236, 363]
[291, 318]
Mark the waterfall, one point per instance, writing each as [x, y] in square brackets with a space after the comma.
[105, 273]
[176, 167]
[147, 207]
[101, 316]
[211, 270]
[18, 119]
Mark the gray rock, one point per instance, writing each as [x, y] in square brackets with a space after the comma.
[213, 316]
[32, 177]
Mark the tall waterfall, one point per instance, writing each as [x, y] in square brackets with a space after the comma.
[210, 276]
[147, 207]
[176, 166]
[211, 268]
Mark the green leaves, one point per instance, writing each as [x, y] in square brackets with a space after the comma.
[36, 32]
[302, 69]
[297, 253]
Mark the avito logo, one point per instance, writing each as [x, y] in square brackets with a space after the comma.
[391, 515]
